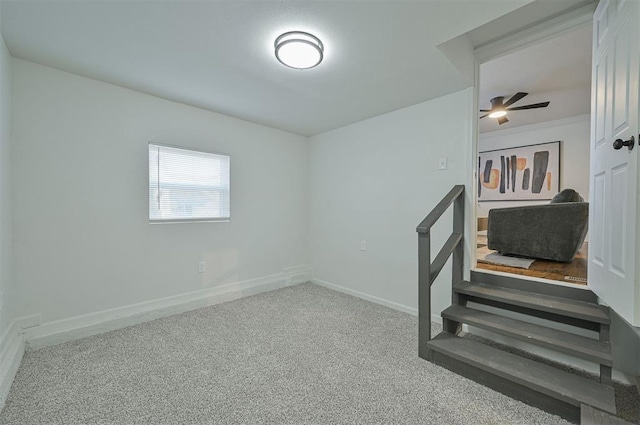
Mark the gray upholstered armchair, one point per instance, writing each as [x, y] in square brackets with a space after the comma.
[553, 232]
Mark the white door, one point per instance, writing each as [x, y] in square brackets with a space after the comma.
[614, 227]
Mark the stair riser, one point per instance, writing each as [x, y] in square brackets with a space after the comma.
[540, 343]
[507, 387]
[572, 321]
[576, 294]
[584, 324]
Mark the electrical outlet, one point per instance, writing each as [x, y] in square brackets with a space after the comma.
[363, 245]
[202, 266]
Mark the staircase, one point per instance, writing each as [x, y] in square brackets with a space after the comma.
[517, 310]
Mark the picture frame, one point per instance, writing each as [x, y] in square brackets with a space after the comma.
[522, 173]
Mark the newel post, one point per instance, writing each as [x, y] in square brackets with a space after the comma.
[424, 293]
[457, 263]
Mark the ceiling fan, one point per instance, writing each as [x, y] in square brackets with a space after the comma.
[499, 108]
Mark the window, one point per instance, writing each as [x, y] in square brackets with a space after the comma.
[186, 185]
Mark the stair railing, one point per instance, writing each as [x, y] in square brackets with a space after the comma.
[428, 271]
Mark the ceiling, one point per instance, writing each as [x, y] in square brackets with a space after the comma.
[218, 55]
[557, 70]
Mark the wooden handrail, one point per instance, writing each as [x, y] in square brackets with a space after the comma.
[428, 271]
[439, 209]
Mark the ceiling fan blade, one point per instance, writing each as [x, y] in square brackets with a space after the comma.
[485, 115]
[485, 110]
[502, 120]
[532, 106]
[516, 97]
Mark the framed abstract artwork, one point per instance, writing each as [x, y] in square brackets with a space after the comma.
[522, 173]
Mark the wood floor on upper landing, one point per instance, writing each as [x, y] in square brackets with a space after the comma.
[574, 272]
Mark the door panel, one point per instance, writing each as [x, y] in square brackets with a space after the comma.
[597, 225]
[613, 220]
[601, 23]
[601, 77]
[621, 75]
[617, 236]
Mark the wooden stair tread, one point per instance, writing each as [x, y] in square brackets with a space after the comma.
[566, 342]
[591, 416]
[544, 379]
[561, 306]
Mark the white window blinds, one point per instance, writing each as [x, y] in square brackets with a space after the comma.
[186, 185]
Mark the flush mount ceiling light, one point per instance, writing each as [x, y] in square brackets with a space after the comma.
[299, 50]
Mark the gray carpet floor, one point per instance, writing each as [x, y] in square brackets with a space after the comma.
[299, 355]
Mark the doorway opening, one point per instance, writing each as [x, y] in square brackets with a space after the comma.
[532, 153]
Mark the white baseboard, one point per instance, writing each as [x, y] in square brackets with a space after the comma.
[396, 306]
[59, 331]
[12, 348]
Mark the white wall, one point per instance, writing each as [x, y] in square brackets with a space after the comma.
[6, 220]
[83, 242]
[375, 180]
[574, 134]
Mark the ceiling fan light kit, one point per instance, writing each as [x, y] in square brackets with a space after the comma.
[299, 50]
[498, 114]
[499, 107]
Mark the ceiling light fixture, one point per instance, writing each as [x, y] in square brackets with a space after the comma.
[498, 114]
[299, 50]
